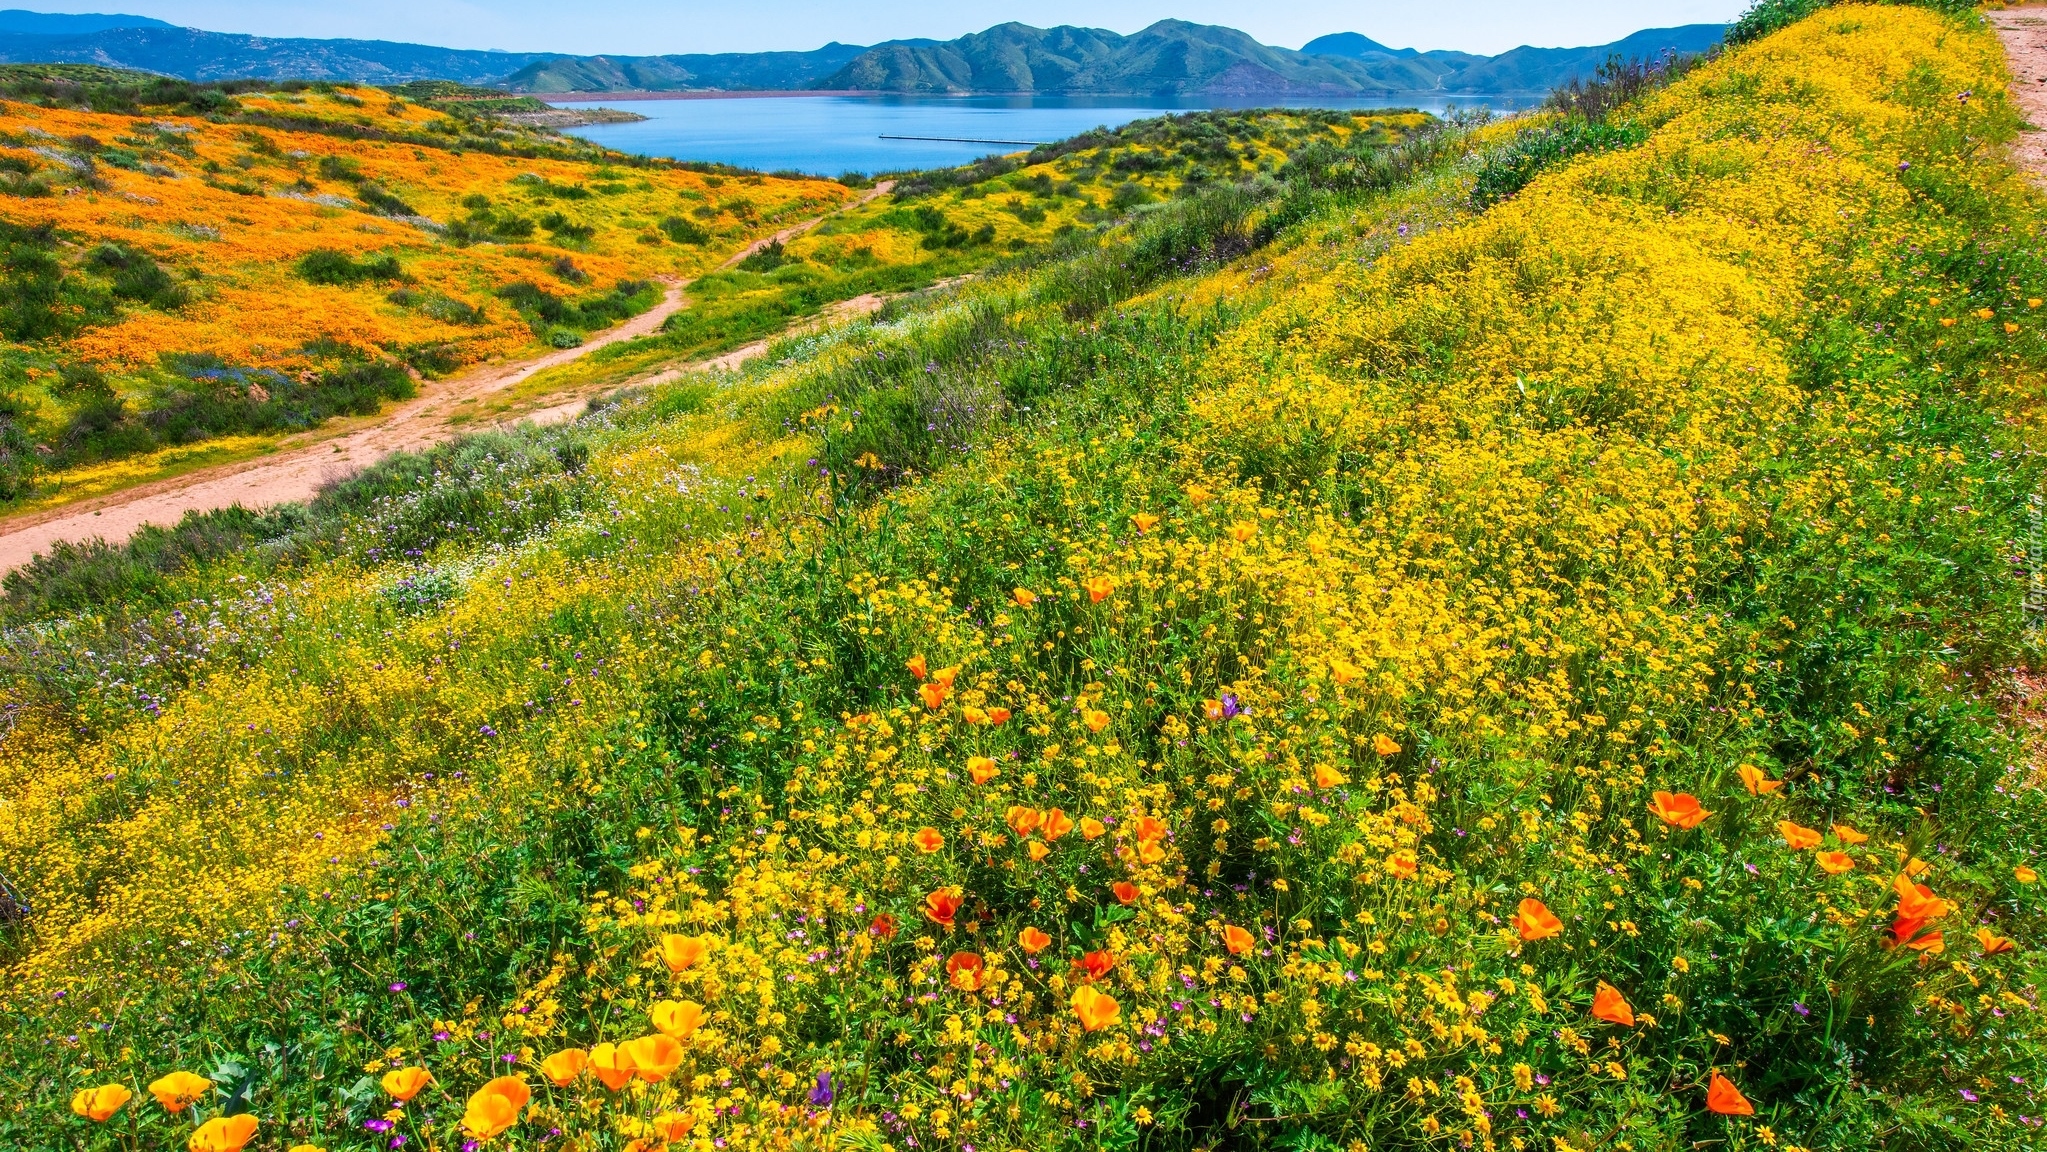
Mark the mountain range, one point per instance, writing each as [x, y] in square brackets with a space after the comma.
[1170, 58]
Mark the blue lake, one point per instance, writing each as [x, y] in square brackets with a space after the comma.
[829, 135]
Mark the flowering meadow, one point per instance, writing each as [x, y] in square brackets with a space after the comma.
[1383, 671]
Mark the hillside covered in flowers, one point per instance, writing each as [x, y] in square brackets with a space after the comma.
[1503, 636]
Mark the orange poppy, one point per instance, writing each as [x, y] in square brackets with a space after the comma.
[1679, 811]
[1095, 1010]
[1403, 864]
[1609, 1005]
[99, 1104]
[1757, 781]
[1056, 824]
[982, 769]
[1992, 943]
[1032, 941]
[1038, 851]
[1091, 828]
[1125, 891]
[1848, 835]
[1242, 531]
[946, 675]
[681, 953]
[1095, 719]
[1384, 745]
[1212, 709]
[1021, 820]
[402, 1084]
[178, 1091]
[973, 715]
[1197, 495]
[654, 1057]
[1835, 862]
[1917, 901]
[1535, 922]
[998, 716]
[1024, 597]
[933, 694]
[927, 840]
[678, 1020]
[674, 1127]
[964, 970]
[1798, 836]
[495, 1107]
[1096, 965]
[1149, 827]
[223, 1134]
[917, 666]
[1723, 1097]
[883, 925]
[1343, 671]
[1144, 522]
[612, 1064]
[941, 906]
[1150, 851]
[1326, 776]
[2024, 875]
[1238, 941]
[563, 1067]
[1099, 588]
[1932, 943]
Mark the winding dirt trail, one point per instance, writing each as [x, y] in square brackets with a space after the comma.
[2024, 32]
[304, 463]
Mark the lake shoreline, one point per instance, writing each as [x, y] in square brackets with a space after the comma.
[723, 94]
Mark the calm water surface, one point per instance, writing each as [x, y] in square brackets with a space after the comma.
[828, 135]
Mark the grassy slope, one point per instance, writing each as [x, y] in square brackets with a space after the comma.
[1695, 455]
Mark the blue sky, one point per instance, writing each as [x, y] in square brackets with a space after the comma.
[648, 27]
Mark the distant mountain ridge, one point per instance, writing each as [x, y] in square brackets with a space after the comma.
[1169, 58]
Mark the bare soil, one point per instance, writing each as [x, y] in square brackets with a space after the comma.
[2024, 32]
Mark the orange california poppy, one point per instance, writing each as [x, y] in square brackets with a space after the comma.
[982, 769]
[1384, 745]
[683, 952]
[1835, 862]
[1056, 823]
[1403, 864]
[654, 1057]
[2024, 875]
[933, 694]
[1798, 836]
[1032, 941]
[941, 906]
[678, 1020]
[1024, 597]
[1932, 943]
[1095, 1010]
[1915, 867]
[1992, 943]
[883, 925]
[98, 1104]
[1242, 531]
[1238, 941]
[1197, 495]
[974, 715]
[1534, 921]
[1212, 709]
[917, 666]
[1848, 835]
[223, 1134]
[1022, 820]
[927, 840]
[1091, 828]
[998, 716]
[178, 1091]
[964, 971]
[674, 1127]
[1150, 851]
[1723, 1097]
[1095, 719]
[1096, 965]
[612, 1064]
[1149, 827]
[1679, 811]
[1343, 671]
[1917, 901]
[402, 1084]
[1099, 588]
[1326, 776]
[1038, 851]
[946, 675]
[1757, 781]
[1125, 891]
[495, 1107]
[563, 1067]
[1144, 522]
[1609, 1005]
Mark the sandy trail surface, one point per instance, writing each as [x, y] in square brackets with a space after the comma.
[304, 463]
[2024, 32]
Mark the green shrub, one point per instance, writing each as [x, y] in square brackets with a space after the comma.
[327, 266]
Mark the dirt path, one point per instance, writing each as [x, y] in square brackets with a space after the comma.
[2024, 32]
[305, 463]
